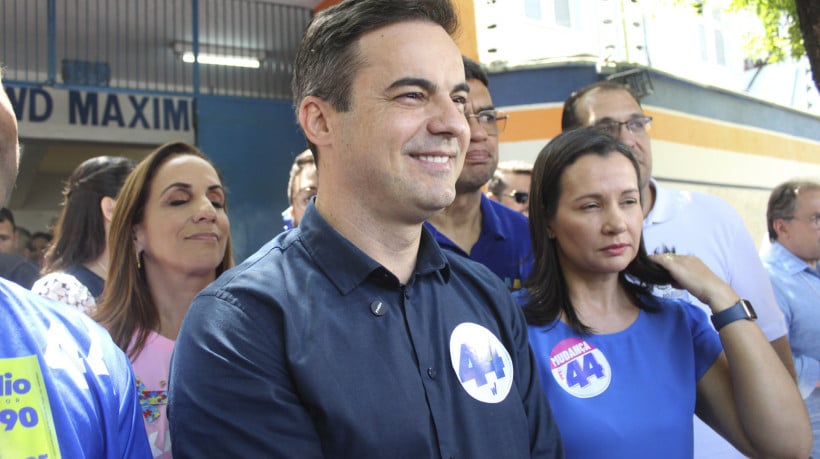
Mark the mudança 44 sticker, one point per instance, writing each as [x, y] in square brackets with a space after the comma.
[580, 368]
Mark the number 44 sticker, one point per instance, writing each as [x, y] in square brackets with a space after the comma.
[482, 364]
[580, 368]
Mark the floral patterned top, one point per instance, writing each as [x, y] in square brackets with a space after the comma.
[65, 288]
[151, 368]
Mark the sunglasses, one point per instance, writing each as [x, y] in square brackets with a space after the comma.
[520, 197]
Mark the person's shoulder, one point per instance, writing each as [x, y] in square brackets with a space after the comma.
[55, 278]
[506, 214]
[709, 212]
[19, 270]
[711, 201]
[53, 320]
[260, 275]
[674, 307]
[472, 271]
[27, 302]
[780, 262]
[698, 202]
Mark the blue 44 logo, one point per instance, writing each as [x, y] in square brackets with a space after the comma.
[578, 373]
[473, 366]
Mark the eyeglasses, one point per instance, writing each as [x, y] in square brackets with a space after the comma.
[492, 121]
[814, 220]
[520, 197]
[302, 197]
[637, 125]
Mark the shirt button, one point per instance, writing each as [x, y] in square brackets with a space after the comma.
[431, 372]
[406, 295]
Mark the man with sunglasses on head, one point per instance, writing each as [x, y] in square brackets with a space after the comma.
[689, 223]
[510, 185]
[473, 225]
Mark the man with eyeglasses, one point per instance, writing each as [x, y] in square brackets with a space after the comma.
[687, 222]
[303, 184]
[793, 220]
[473, 225]
[510, 185]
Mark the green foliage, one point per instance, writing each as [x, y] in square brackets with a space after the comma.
[780, 37]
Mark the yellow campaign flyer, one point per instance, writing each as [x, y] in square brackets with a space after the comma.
[26, 422]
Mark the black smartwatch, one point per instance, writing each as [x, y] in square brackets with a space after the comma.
[740, 310]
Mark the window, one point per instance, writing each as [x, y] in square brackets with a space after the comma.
[539, 11]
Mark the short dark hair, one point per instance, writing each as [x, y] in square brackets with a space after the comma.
[783, 200]
[7, 216]
[569, 116]
[548, 293]
[473, 71]
[79, 235]
[40, 235]
[328, 57]
[299, 162]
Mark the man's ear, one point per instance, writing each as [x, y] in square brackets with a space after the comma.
[107, 207]
[315, 117]
[780, 228]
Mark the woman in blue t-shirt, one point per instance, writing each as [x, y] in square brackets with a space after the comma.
[624, 371]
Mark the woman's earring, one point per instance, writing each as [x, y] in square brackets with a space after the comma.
[139, 260]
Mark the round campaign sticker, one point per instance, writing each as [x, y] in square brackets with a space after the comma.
[580, 368]
[481, 363]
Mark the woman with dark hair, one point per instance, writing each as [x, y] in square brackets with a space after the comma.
[76, 262]
[169, 238]
[624, 371]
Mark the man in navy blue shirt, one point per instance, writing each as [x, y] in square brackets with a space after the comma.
[475, 226]
[355, 335]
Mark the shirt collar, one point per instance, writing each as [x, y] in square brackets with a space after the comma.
[787, 261]
[347, 266]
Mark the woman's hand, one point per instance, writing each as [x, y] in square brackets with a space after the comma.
[691, 274]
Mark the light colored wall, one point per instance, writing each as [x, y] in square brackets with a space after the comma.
[744, 180]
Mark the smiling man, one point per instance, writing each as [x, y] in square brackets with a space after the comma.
[355, 335]
[475, 226]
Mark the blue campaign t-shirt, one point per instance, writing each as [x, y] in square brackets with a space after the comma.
[503, 245]
[66, 390]
[629, 394]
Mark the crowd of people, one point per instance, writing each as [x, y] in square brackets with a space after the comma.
[426, 300]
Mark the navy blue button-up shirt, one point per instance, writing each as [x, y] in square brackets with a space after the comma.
[310, 348]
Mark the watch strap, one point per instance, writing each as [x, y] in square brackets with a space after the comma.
[738, 311]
